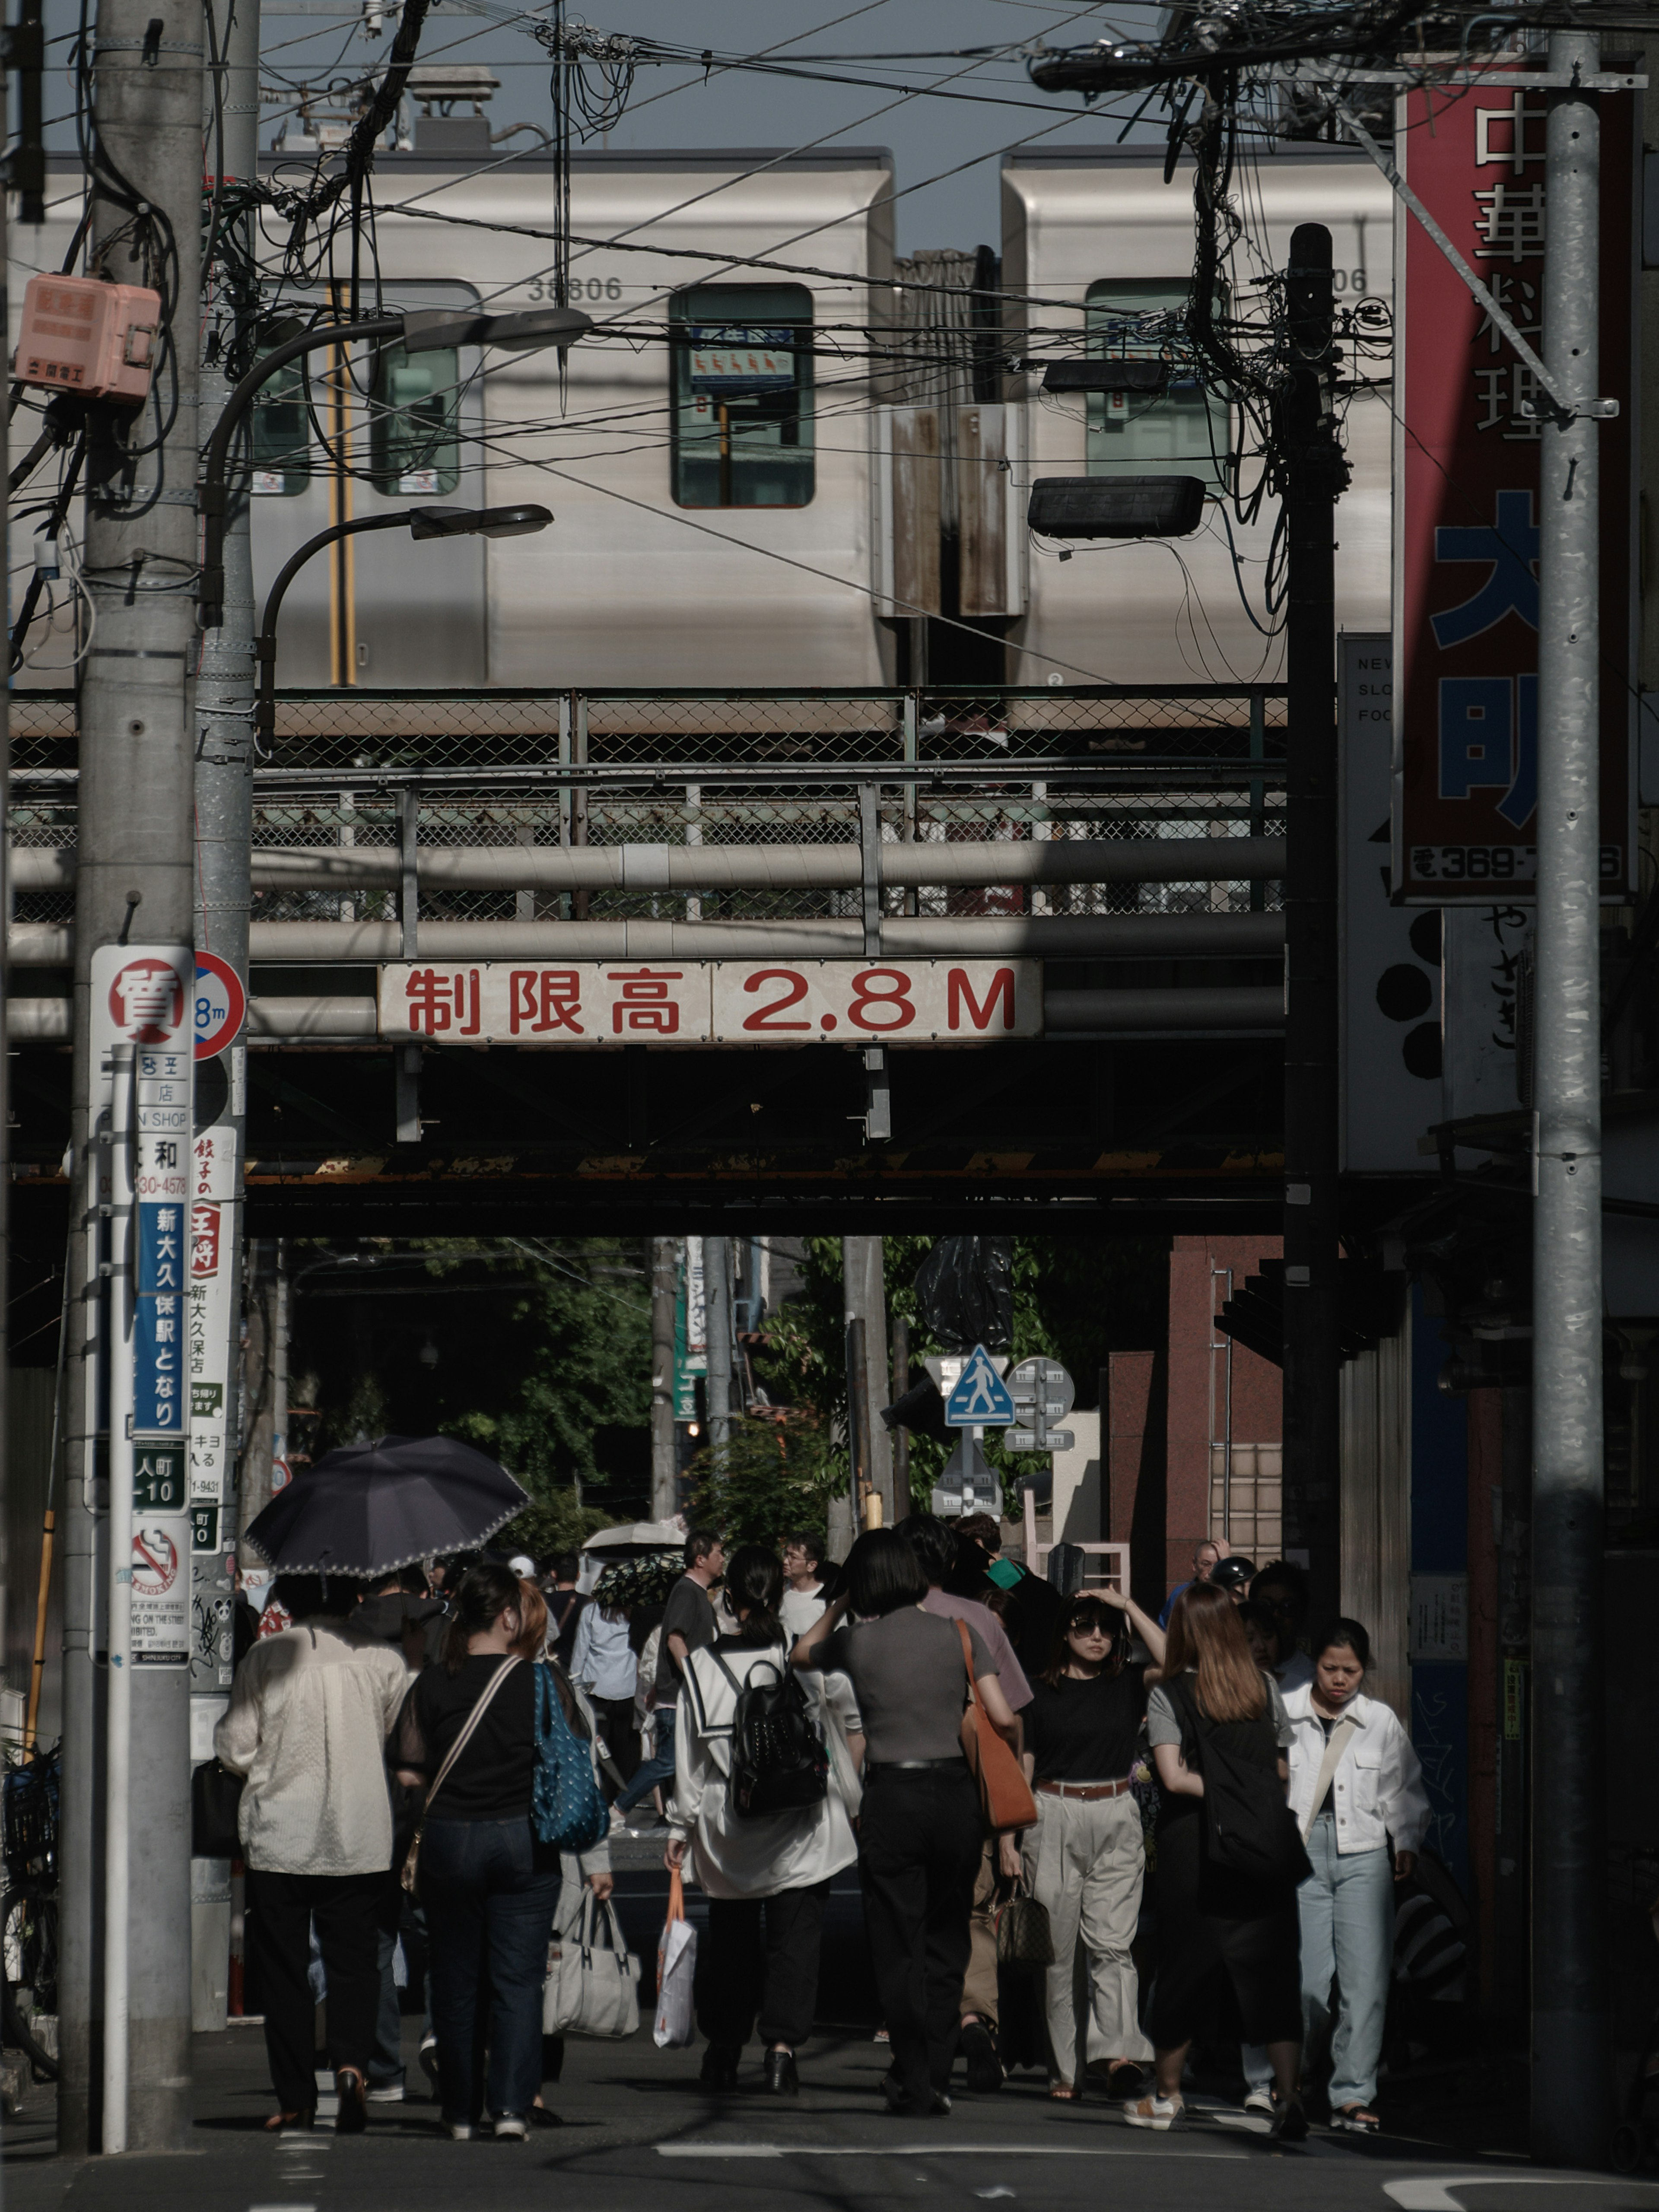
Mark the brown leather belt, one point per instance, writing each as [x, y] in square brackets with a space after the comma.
[1088, 1792]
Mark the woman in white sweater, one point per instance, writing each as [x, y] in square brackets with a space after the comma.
[1357, 1790]
[778, 1864]
[310, 1712]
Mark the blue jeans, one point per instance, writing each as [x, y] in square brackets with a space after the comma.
[658, 1769]
[489, 1890]
[1347, 1908]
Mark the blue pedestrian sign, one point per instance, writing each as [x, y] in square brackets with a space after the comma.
[980, 1399]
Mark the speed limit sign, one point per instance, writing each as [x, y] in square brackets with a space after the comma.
[220, 1004]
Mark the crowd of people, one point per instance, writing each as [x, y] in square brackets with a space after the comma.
[1214, 1820]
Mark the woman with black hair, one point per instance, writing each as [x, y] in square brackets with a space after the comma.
[1086, 1859]
[920, 1825]
[489, 1888]
[774, 1866]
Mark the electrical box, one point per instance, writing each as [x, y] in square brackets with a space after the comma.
[84, 336]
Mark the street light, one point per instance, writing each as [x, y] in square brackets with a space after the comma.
[420, 522]
[426, 330]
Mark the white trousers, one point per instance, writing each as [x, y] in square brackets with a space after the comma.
[1084, 1862]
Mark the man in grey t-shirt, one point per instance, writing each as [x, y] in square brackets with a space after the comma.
[688, 1625]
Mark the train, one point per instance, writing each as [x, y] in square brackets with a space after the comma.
[768, 466]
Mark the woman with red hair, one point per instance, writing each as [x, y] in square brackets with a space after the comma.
[1227, 1939]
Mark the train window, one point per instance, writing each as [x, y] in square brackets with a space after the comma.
[741, 366]
[414, 440]
[1182, 432]
[280, 433]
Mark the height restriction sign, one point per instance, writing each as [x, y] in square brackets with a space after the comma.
[1465, 508]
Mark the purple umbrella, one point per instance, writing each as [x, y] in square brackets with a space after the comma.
[368, 1508]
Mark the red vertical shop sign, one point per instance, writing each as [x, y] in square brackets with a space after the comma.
[1466, 510]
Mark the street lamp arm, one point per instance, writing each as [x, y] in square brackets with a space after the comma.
[211, 497]
[265, 646]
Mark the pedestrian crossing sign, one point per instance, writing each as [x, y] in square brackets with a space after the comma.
[980, 1398]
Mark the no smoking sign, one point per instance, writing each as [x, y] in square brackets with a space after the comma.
[221, 1006]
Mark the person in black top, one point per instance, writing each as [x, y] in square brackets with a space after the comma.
[1086, 1859]
[488, 1887]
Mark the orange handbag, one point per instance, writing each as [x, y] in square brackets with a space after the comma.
[1005, 1796]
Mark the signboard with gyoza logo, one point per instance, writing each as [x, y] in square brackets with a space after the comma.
[1465, 506]
[730, 359]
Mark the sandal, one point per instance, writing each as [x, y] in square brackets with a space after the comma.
[1356, 2120]
[279, 2123]
[1063, 2092]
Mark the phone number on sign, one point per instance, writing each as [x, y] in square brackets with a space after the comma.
[713, 1002]
[1493, 864]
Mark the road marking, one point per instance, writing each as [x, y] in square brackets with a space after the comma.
[282, 2207]
[1432, 2192]
[938, 2150]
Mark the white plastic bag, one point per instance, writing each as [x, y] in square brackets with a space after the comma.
[677, 1963]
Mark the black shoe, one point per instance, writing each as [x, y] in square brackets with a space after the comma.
[781, 2079]
[353, 2116]
[938, 2105]
[892, 2089]
[720, 2067]
[978, 2047]
[1290, 2123]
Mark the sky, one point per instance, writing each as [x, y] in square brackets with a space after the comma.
[678, 107]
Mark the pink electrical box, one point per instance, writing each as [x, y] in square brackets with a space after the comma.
[84, 336]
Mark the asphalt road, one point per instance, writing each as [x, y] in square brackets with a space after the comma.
[639, 2134]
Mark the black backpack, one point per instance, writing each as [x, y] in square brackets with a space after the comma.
[779, 1764]
[1248, 1828]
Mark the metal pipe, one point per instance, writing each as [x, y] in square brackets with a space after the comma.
[943, 937]
[635, 867]
[1243, 1008]
[664, 1269]
[1572, 2055]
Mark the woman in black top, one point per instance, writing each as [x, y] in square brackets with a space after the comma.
[1086, 1859]
[920, 1827]
[488, 1887]
[1222, 1935]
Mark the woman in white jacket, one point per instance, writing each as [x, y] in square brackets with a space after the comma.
[780, 1864]
[1356, 1789]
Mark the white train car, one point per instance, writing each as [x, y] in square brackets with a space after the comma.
[1102, 234]
[737, 503]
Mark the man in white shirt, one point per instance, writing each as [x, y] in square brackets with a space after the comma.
[802, 1595]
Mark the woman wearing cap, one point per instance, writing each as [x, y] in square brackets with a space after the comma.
[1356, 1789]
[1086, 1858]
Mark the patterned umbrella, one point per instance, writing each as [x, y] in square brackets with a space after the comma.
[370, 1508]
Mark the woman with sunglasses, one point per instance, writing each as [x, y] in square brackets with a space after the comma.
[1086, 1859]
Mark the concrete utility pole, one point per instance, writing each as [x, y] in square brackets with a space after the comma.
[664, 1471]
[133, 883]
[717, 1322]
[1313, 473]
[224, 837]
[865, 1298]
[1571, 2053]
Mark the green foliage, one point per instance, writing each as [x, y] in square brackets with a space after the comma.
[555, 1521]
[772, 1475]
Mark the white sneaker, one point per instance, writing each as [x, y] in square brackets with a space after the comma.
[460, 2131]
[1260, 2100]
[1162, 2113]
[385, 2093]
[512, 2127]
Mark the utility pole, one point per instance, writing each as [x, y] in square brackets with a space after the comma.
[224, 838]
[665, 1474]
[717, 1322]
[133, 883]
[1572, 2055]
[865, 1299]
[1312, 474]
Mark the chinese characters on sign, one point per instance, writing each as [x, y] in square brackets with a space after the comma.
[160, 1400]
[728, 360]
[1465, 825]
[210, 1298]
[722, 1002]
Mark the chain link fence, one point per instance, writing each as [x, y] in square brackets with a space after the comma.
[508, 768]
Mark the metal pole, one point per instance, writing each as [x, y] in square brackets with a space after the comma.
[858, 1420]
[664, 1269]
[1313, 472]
[118, 1741]
[899, 1441]
[279, 1349]
[224, 841]
[136, 847]
[1572, 2056]
[717, 1309]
